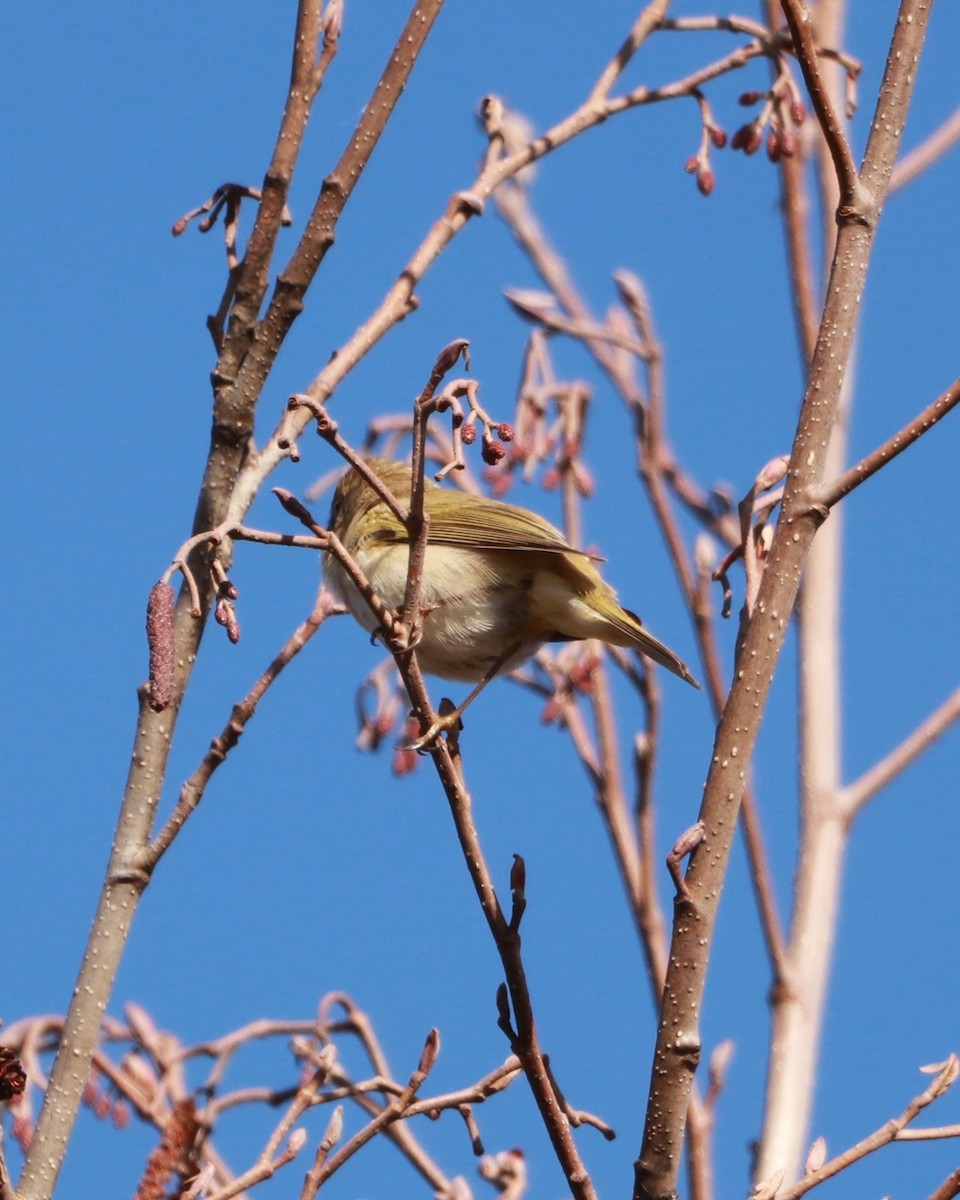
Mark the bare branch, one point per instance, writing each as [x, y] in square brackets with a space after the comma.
[887, 1133]
[895, 445]
[856, 795]
[798, 19]
[193, 790]
[324, 1167]
[949, 1188]
[678, 1040]
[922, 157]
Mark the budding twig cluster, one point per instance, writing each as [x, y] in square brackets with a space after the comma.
[782, 111]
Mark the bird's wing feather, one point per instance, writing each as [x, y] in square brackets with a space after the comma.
[488, 525]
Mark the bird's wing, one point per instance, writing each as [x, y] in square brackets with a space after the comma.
[493, 525]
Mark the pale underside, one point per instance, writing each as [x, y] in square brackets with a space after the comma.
[477, 604]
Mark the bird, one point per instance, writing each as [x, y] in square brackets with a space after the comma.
[498, 580]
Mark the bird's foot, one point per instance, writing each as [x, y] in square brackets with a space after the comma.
[448, 722]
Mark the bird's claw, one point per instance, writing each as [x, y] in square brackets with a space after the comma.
[448, 722]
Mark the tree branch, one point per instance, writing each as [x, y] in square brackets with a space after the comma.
[798, 19]
[678, 1041]
[881, 1137]
[895, 445]
[926, 154]
[856, 795]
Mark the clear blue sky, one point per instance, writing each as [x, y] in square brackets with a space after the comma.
[308, 867]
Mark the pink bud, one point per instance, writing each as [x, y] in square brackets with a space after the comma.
[691, 164]
[798, 111]
[493, 452]
[718, 136]
[505, 432]
[404, 762]
[468, 434]
[705, 181]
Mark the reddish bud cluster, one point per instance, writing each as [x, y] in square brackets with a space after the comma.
[499, 482]
[224, 614]
[468, 434]
[798, 112]
[404, 759]
[781, 143]
[22, 1132]
[746, 99]
[705, 181]
[581, 673]
[505, 432]
[718, 136]
[493, 452]
[13, 1078]
[747, 138]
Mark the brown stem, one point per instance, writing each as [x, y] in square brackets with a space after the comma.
[286, 303]
[926, 154]
[678, 1042]
[234, 408]
[855, 795]
[387, 1115]
[193, 790]
[805, 48]
[881, 1137]
[949, 1188]
[895, 445]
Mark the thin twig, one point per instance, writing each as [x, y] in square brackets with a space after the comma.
[798, 19]
[922, 157]
[887, 1133]
[856, 795]
[678, 1038]
[910, 433]
[193, 790]
[393, 1111]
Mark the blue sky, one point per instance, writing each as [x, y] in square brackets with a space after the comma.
[308, 867]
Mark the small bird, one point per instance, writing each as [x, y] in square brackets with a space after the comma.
[498, 580]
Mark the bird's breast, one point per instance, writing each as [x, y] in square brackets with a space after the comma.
[475, 605]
